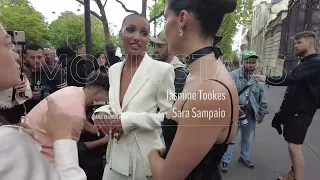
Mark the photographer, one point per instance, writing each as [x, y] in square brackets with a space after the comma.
[253, 104]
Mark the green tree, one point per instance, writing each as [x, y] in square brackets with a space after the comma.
[229, 26]
[156, 12]
[231, 22]
[144, 9]
[76, 32]
[20, 15]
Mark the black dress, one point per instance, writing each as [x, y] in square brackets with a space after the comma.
[208, 168]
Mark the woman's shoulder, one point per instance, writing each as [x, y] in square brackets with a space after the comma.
[213, 92]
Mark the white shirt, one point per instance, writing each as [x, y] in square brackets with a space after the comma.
[21, 160]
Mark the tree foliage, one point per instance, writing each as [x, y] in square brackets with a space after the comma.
[101, 16]
[20, 15]
[157, 9]
[76, 31]
[159, 3]
[229, 26]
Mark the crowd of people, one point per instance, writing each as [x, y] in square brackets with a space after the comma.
[71, 116]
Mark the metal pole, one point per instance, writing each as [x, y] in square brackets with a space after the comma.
[67, 36]
[87, 24]
[155, 28]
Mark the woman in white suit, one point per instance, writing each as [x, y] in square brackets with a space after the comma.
[138, 87]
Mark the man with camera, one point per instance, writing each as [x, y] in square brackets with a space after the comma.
[253, 107]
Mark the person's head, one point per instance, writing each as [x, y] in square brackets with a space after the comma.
[100, 59]
[249, 61]
[135, 34]
[305, 43]
[9, 69]
[97, 87]
[34, 55]
[192, 24]
[46, 53]
[161, 46]
[65, 54]
[82, 51]
[109, 50]
[52, 54]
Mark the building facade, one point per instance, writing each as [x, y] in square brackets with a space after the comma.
[302, 15]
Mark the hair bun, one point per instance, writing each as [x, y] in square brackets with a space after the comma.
[223, 6]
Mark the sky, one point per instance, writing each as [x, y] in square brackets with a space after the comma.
[114, 11]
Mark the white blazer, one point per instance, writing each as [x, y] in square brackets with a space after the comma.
[147, 92]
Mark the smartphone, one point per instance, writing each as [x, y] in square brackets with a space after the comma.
[19, 38]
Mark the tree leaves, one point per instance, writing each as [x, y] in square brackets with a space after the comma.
[229, 26]
[20, 15]
[76, 32]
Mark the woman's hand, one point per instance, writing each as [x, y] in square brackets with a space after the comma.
[108, 124]
[117, 130]
[157, 152]
[156, 162]
[102, 122]
[57, 122]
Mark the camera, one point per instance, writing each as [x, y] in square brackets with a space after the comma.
[243, 118]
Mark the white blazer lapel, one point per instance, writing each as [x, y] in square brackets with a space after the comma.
[114, 94]
[139, 79]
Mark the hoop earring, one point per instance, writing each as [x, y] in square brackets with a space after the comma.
[180, 32]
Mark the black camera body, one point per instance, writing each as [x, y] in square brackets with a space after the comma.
[243, 116]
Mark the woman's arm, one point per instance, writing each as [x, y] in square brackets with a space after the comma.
[194, 138]
[151, 121]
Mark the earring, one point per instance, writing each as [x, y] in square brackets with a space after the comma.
[181, 32]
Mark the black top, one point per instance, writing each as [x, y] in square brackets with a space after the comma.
[303, 92]
[207, 169]
[76, 71]
[180, 79]
[47, 81]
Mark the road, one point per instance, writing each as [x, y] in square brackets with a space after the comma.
[269, 151]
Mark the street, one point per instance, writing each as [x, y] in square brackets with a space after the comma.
[269, 151]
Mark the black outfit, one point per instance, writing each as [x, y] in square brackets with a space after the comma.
[301, 100]
[113, 60]
[47, 80]
[208, 168]
[90, 160]
[180, 79]
[77, 72]
[13, 115]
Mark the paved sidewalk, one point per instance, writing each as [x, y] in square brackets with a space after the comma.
[270, 152]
